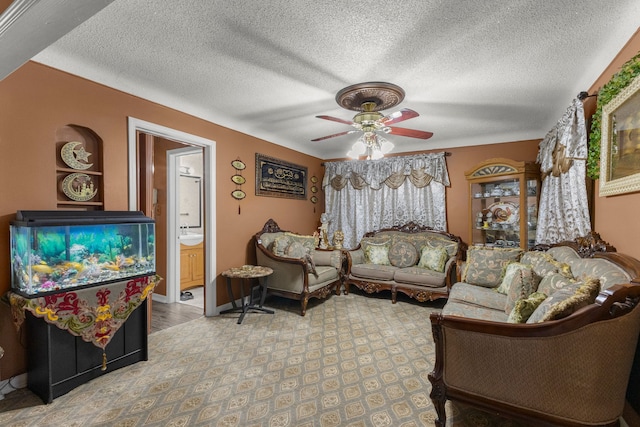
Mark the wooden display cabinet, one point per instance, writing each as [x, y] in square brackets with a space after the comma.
[504, 197]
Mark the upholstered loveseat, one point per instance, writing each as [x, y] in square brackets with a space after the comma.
[300, 271]
[548, 337]
[415, 260]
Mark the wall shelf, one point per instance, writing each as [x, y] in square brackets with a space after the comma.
[84, 159]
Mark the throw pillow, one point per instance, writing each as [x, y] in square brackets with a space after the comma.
[567, 300]
[484, 266]
[280, 244]
[377, 254]
[403, 254]
[331, 258]
[540, 262]
[433, 258]
[544, 263]
[308, 242]
[441, 242]
[525, 307]
[299, 251]
[510, 270]
[553, 282]
[296, 250]
[311, 266]
[524, 282]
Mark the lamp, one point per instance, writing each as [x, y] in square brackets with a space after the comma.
[372, 145]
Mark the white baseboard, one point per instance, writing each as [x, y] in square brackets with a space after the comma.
[163, 299]
[160, 298]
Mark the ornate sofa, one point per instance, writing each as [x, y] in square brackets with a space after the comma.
[415, 260]
[562, 357]
[300, 271]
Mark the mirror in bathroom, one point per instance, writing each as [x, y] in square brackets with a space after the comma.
[190, 201]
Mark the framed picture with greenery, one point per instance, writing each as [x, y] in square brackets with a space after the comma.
[620, 150]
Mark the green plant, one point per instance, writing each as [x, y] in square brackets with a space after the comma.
[610, 90]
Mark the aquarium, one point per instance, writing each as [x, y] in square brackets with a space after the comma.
[57, 251]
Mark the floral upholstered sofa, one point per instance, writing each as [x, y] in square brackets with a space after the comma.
[300, 271]
[492, 281]
[415, 260]
[566, 319]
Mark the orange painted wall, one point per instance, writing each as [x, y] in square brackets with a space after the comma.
[36, 100]
[616, 217]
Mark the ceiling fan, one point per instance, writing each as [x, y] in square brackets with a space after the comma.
[369, 99]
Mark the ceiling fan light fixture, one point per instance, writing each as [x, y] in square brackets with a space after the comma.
[357, 150]
[375, 155]
[371, 145]
[369, 99]
[373, 96]
[386, 146]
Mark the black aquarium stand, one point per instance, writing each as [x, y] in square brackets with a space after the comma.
[58, 361]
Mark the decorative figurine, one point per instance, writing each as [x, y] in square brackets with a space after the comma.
[338, 238]
[324, 240]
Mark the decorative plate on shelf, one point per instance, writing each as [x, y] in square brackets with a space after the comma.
[72, 156]
[238, 164]
[238, 179]
[314, 189]
[504, 212]
[238, 194]
[314, 199]
[79, 187]
[314, 179]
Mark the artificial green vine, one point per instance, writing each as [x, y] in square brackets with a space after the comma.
[619, 81]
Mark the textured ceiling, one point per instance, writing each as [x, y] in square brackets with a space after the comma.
[478, 72]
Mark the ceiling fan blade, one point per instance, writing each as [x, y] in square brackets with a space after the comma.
[335, 119]
[412, 133]
[334, 135]
[398, 116]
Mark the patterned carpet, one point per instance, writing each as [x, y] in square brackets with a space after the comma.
[353, 360]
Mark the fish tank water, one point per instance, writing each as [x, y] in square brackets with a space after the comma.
[60, 251]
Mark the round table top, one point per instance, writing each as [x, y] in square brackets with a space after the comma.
[247, 272]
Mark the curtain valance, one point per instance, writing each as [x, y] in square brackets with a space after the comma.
[418, 169]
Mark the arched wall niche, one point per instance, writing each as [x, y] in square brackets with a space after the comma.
[80, 181]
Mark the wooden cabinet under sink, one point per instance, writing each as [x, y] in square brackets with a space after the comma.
[191, 266]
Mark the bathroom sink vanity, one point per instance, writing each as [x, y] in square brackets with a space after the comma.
[191, 261]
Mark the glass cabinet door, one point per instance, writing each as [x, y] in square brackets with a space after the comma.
[504, 204]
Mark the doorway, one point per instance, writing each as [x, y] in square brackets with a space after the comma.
[207, 147]
[184, 202]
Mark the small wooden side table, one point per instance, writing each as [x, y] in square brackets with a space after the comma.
[247, 273]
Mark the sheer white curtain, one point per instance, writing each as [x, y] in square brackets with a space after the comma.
[366, 195]
[564, 212]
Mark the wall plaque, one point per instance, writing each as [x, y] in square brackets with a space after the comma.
[277, 178]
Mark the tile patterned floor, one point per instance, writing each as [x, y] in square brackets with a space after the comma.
[353, 360]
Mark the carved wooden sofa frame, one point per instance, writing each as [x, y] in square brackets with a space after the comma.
[566, 372]
[293, 273]
[420, 294]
